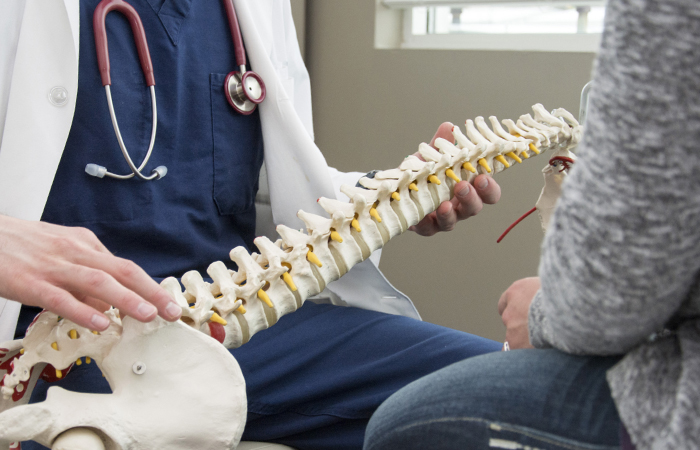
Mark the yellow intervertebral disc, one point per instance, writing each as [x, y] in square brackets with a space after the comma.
[54, 346]
[262, 295]
[218, 319]
[311, 257]
[373, 212]
[450, 173]
[532, 146]
[512, 155]
[413, 187]
[356, 225]
[482, 162]
[396, 196]
[501, 159]
[336, 237]
[433, 179]
[290, 282]
[468, 166]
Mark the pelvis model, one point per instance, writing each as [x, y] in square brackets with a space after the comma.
[175, 386]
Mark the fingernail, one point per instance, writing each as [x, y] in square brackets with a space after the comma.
[146, 310]
[483, 183]
[99, 322]
[464, 191]
[173, 310]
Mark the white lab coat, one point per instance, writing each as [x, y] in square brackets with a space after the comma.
[39, 51]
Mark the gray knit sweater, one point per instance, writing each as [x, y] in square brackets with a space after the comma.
[621, 261]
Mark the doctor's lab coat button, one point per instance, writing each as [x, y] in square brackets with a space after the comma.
[58, 96]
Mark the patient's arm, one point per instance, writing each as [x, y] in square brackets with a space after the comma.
[623, 251]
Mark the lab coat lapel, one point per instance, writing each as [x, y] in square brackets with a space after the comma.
[297, 171]
[36, 130]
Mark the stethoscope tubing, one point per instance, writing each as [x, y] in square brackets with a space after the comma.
[244, 91]
[102, 49]
[238, 49]
[135, 170]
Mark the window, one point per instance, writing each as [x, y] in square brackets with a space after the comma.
[545, 25]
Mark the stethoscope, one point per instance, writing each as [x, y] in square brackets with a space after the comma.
[244, 89]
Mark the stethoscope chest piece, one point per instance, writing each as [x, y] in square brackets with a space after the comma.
[244, 92]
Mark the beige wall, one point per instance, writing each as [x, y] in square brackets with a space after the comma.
[373, 107]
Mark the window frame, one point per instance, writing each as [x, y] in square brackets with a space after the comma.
[549, 42]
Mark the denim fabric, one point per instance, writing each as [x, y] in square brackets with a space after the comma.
[523, 399]
[314, 379]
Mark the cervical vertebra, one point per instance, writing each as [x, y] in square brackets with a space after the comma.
[267, 285]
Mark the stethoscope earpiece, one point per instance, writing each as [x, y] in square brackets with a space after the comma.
[98, 171]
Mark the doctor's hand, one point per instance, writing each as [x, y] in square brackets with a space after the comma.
[514, 307]
[68, 271]
[469, 198]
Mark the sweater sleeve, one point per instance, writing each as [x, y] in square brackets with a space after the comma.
[623, 250]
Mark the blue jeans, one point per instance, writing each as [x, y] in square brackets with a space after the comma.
[523, 399]
[314, 379]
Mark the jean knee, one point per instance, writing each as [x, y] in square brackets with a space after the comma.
[463, 432]
[436, 433]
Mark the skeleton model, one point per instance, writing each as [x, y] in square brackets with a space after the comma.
[174, 387]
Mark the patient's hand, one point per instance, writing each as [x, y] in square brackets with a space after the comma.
[514, 306]
[467, 202]
[68, 271]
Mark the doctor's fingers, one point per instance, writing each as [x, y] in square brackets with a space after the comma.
[140, 294]
[59, 301]
[92, 302]
[465, 203]
[488, 189]
[442, 219]
[91, 283]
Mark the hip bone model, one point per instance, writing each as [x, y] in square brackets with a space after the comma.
[174, 386]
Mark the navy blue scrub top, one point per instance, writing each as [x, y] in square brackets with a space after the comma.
[205, 205]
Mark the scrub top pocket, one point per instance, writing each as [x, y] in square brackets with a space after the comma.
[238, 152]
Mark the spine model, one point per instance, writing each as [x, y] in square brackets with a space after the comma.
[278, 279]
[163, 374]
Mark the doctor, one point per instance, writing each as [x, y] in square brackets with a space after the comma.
[59, 226]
